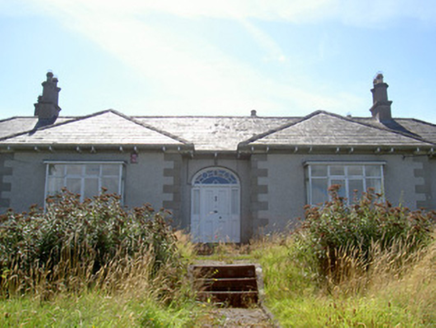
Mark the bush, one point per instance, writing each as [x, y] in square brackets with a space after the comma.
[335, 231]
[82, 237]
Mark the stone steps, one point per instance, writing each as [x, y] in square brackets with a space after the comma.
[230, 285]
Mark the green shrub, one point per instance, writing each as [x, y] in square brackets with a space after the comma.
[335, 231]
[87, 235]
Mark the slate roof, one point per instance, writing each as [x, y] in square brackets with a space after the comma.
[410, 126]
[325, 129]
[104, 128]
[219, 133]
[14, 125]
[216, 133]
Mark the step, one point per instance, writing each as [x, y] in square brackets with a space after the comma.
[233, 285]
[224, 271]
[242, 299]
[227, 284]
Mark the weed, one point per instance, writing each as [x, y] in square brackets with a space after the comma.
[345, 237]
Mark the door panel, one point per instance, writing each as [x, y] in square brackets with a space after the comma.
[216, 221]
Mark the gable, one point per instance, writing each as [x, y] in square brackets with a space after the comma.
[325, 129]
[105, 128]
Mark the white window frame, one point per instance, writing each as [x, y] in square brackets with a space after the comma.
[83, 176]
[345, 177]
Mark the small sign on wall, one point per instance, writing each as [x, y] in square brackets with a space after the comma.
[134, 158]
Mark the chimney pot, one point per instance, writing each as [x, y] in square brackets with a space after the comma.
[378, 79]
[253, 113]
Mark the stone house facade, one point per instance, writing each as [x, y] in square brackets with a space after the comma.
[225, 178]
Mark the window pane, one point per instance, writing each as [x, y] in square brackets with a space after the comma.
[319, 170]
[337, 170]
[91, 188]
[374, 183]
[84, 178]
[73, 185]
[92, 169]
[319, 190]
[111, 169]
[341, 191]
[373, 170]
[355, 170]
[56, 170]
[111, 184]
[54, 185]
[355, 189]
[74, 169]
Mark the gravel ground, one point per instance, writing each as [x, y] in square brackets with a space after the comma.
[238, 317]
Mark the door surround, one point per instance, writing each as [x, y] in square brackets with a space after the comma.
[215, 206]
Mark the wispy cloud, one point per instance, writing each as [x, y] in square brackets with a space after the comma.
[198, 71]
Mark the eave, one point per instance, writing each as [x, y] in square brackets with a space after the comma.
[95, 148]
[426, 149]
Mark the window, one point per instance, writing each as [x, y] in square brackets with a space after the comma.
[85, 179]
[354, 178]
[215, 176]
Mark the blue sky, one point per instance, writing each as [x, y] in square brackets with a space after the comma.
[227, 57]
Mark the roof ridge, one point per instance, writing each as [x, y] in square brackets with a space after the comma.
[148, 126]
[80, 118]
[407, 135]
[416, 120]
[281, 127]
[73, 119]
[211, 116]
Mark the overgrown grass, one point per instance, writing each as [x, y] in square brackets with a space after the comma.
[389, 284]
[94, 264]
[94, 309]
[368, 265]
[387, 295]
[127, 296]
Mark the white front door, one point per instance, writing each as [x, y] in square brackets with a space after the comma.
[215, 213]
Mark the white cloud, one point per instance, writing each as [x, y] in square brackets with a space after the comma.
[198, 72]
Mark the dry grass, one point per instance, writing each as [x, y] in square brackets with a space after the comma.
[395, 288]
[125, 292]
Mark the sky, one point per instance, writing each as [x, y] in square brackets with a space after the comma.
[227, 57]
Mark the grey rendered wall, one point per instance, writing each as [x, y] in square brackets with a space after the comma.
[408, 181]
[144, 181]
[5, 185]
[425, 172]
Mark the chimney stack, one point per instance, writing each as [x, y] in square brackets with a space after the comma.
[381, 108]
[253, 113]
[47, 108]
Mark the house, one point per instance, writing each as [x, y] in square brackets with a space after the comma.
[225, 178]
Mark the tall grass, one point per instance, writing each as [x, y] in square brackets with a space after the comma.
[368, 265]
[396, 291]
[94, 264]
[76, 263]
